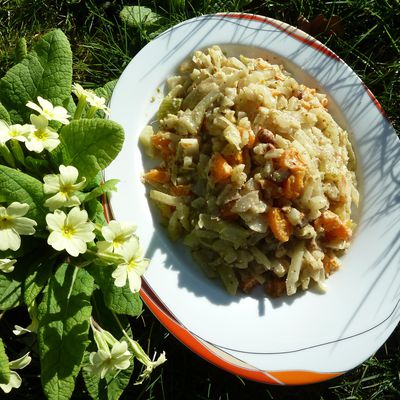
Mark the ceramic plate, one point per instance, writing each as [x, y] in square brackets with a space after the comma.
[303, 338]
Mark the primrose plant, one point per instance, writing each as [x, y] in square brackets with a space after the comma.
[77, 274]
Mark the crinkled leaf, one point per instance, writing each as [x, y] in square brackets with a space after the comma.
[138, 16]
[4, 115]
[64, 316]
[21, 50]
[95, 211]
[90, 145]
[39, 272]
[106, 90]
[11, 288]
[4, 367]
[18, 186]
[46, 71]
[117, 299]
[103, 188]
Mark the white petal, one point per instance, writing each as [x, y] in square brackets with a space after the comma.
[45, 104]
[51, 183]
[76, 217]
[56, 221]
[135, 282]
[39, 121]
[14, 382]
[57, 240]
[56, 201]
[24, 226]
[69, 174]
[21, 362]
[130, 248]
[141, 266]
[85, 232]
[17, 209]
[104, 247]
[7, 265]
[75, 247]
[120, 275]
[9, 239]
[34, 145]
[33, 106]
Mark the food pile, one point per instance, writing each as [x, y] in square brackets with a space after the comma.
[255, 175]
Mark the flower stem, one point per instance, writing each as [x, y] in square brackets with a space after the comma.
[80, 107]
[17, 151]
[7, 155]
[91, 112]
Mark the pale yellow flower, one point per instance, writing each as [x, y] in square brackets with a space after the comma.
[47, 110]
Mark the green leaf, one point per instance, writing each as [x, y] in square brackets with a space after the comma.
[109, 388]
[46, 71]
[39, 273]
[11, 288]
[4, 115]
[106, 90]
[20, 50]
[95, 212]
[64, 316]
[90, 145]
[17, 186]
[117, 299]
[103, 188]
[4, 367]
[138, 16]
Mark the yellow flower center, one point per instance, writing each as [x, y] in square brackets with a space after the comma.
[5, 222]
[68, 231]
[40, 134]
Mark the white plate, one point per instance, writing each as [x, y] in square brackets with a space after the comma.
[307, 337]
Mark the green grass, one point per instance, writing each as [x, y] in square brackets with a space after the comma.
[103, 45]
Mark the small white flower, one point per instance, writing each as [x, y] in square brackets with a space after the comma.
[79, 91]
[70, 232]
[13, 224]
[15, 380]
[105, 361]
[116, 235]
[16, 132]
[42, 137]
[47, 110]
[7, 265]
[64, 185]
[97, 102]
[133, 267]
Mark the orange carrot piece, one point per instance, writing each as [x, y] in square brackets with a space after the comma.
[280, 226]
[293, 186]
[220, 169]
[161, 144]
[156, 175]
[291, 159]
[334, 228]
[180, 190]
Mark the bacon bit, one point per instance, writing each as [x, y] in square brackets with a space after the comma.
[298, 93]
[161, 144]
[251, 141]
[247, 282]
[279, 224]
[293, 186]
[271, 189]
[334, 228]
[180, 190]
[225, 211]
[274, 286]
[331, 264]
[220, 169]
[265, 136]
[235, 158]
[157, 176]
[291, 159]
